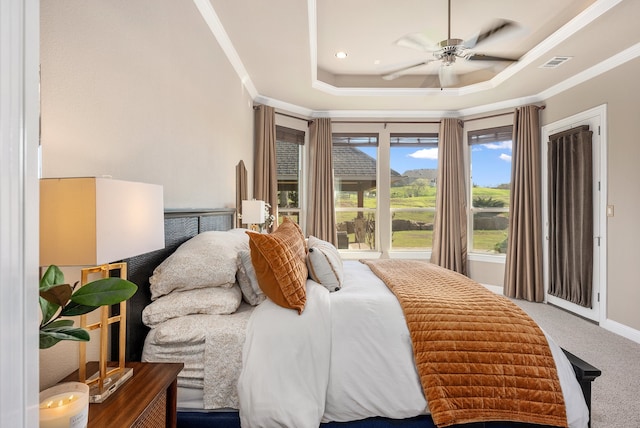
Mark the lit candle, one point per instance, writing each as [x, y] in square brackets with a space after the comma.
[65, 406]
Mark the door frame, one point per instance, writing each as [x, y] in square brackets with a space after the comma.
[599, 113]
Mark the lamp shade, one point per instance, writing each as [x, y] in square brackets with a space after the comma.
[93, 221]
[253, 212]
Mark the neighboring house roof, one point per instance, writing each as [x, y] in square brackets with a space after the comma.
[349, 163]
[288, 160]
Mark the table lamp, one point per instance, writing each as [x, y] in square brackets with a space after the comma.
[253, 214]
[95, 222]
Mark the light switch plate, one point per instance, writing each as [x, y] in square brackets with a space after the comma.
[609, 210]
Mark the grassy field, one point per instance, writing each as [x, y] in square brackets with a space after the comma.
[423, 197]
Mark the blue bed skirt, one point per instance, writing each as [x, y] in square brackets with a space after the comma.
[232, 420]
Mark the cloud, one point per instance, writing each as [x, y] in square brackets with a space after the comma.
[502, 145]
[431, 153]
[505, 157]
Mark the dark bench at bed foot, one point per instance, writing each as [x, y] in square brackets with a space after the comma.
[586, 374]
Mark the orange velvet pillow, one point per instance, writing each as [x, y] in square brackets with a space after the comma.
[279, 260]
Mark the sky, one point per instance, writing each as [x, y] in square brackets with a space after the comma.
[491, 163]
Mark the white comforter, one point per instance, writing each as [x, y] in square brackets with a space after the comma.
[348, 356]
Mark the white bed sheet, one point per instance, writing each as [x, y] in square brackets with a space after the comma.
[210, 346]
[362, 377]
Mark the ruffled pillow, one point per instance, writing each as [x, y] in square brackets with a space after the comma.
[279, 260]
[206, 260]
[210, 301]
[325, 264]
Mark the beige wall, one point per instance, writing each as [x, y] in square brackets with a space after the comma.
[619, 90]
[139, 91]
[135, 90]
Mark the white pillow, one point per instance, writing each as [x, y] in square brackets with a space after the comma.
[325, 264]
[206, 260]
[247, 279]
[211, 301]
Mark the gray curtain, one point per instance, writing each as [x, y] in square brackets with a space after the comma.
[265, 177]
[523, 269]
[571, 216]
[321, 218]
[241, 190]
[450, 229]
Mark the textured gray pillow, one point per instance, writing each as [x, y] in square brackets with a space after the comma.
[325, 264]
[251, 291]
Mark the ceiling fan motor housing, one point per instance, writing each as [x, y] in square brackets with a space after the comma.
[449, 50]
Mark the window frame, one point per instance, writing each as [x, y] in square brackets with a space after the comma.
[359, 139]
[479, 136]
[288, 132]
[433, 140]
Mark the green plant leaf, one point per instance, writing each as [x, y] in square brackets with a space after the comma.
[49, 336]
[47, 341]
[48, 310]
[74, 309]
[58, 294]
[58, 324]
[52, 276]
[106, 291]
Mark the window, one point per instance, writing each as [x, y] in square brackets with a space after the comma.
[490, 165]
[355, 169]
[289, 145]
[414, 171]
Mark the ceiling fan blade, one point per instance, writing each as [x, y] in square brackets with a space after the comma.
[498, 27]
[417, 41]
[399, 72]
[482, 57]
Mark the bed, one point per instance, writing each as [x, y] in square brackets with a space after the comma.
[217, 356]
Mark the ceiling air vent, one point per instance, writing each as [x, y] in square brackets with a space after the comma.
[556, 62]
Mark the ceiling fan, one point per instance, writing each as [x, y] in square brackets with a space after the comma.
[449, 50]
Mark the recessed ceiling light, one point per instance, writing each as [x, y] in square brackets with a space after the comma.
[341, 55]
[376, 62]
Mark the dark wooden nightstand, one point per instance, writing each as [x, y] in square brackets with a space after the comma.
[148, 399]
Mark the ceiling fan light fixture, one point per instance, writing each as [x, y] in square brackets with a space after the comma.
[448, 50]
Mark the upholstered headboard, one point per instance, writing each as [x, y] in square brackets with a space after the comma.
[179, 226]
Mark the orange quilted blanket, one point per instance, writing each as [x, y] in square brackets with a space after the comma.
[479, 356]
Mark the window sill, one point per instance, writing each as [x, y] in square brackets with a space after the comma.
[487, 258]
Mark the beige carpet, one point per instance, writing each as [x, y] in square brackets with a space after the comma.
[615, 394]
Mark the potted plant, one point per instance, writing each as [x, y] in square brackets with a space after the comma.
[58, 299]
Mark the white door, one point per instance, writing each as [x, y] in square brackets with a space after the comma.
[596, 119]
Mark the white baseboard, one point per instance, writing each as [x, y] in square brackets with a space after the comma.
[495, 288]
[621, 329]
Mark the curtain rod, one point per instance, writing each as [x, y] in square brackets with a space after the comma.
[293, 117]
[386, 121]
[427, 121]
[497, 115]
[287, 115]
[402, 122]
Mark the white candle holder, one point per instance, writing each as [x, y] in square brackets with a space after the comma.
[65, 405]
